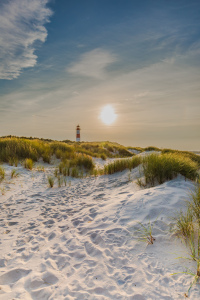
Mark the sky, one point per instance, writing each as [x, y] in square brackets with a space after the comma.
[63, 61]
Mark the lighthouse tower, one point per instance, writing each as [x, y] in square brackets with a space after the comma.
[78, 137]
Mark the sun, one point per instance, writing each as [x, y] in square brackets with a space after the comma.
[108, 115]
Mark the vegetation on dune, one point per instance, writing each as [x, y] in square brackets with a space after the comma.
[2, 173]
[122, 164]
[72, 154]
[187, 227]
[12, 148]
[194, 157]
[139, 149]
[166, 166]
[156, 168]
[145, 232]
[28, 163]
[51, 181]
[14, 173]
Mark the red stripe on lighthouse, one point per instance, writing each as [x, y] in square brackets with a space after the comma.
[78, 136]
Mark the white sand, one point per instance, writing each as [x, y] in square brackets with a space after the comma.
[80, 241]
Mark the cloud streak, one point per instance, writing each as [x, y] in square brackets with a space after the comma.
[21, 25]
[92, 64]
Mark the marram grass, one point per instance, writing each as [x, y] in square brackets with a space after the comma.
[159, 168]
[122, 164]
[2, 173]
[51, 181]
[28, 163]
[187, 227]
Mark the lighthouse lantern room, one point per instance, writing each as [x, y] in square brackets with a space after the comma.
[78, 137]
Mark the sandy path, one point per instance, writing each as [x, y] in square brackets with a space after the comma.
[80, 241]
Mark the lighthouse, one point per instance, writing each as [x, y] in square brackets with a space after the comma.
[78, 137]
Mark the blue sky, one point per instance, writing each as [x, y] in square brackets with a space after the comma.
[62, 61]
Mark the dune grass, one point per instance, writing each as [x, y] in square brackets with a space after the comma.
[60, 180]
[122, 164]
[194, 204]
[14, 149]
[2, 173]
[184, 224]
[166, 166]
[146, 233]
[157, 168]
[82, 160]
[51, 181]
[187, 224]
[187, 227]
[74, 172]
[40, 168]
[28, 163]
[14, 173]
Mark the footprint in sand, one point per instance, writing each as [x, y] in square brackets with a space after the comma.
[12, 223]
[137, 297]
[97, 239]
[91, 250]
[13, 276]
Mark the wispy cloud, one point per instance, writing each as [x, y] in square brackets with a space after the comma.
[21, 25]
[93, 63]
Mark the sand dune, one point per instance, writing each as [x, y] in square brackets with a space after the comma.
[80, 241]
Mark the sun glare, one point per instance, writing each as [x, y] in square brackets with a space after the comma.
[108, 115]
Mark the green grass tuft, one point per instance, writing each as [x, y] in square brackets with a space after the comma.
[28, 163]
[14, 173]
[2, 173]
[51, 181]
